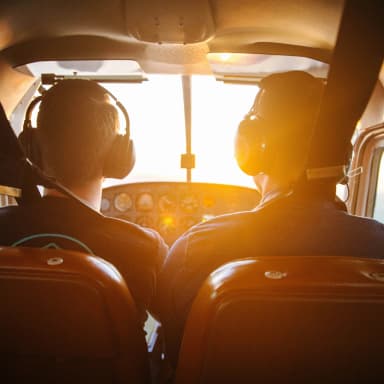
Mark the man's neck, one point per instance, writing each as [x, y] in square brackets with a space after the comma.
[89, 192]
[267, 185]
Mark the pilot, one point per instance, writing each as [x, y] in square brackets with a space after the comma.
[294, 217]
[77, 142]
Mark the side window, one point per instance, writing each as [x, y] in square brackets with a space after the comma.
[367, 187]
[378, 207]
[6, 200]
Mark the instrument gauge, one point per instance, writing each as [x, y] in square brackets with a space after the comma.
[144, 202]
[105, 204]
[167, 203]
[123, 202]
[189, 203]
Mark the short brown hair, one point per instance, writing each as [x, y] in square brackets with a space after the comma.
[77, 125]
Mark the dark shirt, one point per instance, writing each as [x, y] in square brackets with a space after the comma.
[54, 222]
[287, 226]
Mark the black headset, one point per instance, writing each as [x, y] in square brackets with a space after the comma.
[258, 139]
[254, 151]
[120, 158]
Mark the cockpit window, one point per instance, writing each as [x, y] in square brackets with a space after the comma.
[155, 105]
[378, 210]
[157, 123]
[156, 113]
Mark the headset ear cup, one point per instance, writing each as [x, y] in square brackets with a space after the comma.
[120, 159]
[29, 141]
[251, 148]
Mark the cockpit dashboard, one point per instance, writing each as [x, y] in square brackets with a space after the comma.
[173, 207]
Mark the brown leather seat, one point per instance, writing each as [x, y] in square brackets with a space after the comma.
[287, 319]
[67, 317]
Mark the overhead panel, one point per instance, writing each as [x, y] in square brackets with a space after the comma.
[245, 24]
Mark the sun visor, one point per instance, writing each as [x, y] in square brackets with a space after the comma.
[101, 70]
[251, 68]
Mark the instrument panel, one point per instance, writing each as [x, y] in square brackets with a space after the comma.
[173, 207]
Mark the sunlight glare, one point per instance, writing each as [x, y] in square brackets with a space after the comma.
[155, 108]
[217, 110]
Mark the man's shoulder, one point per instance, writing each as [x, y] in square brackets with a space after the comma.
[127, 235]
[227, 220]
[223, 227]
[8, 209]
[365, 225]
[9, 212]
[123, 227]
[64, 216]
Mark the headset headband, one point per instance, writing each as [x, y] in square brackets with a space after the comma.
[38, 99]
[120, 158]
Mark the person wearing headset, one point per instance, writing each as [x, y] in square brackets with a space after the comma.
[77, 143]
[294, 216]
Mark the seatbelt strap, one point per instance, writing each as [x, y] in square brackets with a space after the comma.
[14, 177]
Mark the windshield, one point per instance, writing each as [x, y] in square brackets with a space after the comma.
[155, 104]
[156, 112]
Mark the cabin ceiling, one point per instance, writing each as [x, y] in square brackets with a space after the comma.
[169, 36]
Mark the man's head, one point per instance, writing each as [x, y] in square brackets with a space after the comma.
[274, 137]
[77, 127]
